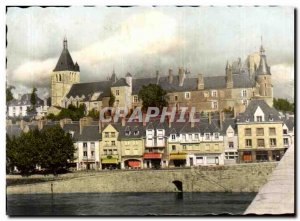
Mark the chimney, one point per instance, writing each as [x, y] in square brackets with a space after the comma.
[200, 82]
[123, 121]
[209, 117]
[84, 122]
[170, 76]
[192, 124]
[229, 81]
[181, 75]
[157, 77]
[222, 118]
[100, 126]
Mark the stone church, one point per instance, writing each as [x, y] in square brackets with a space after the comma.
[234, 89]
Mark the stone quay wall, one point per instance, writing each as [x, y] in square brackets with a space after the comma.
[230, 178]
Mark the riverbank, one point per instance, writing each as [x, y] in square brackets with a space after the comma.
[230, 178]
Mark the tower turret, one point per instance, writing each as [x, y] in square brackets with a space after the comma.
[229, 80]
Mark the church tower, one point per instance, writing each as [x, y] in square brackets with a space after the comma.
[263, 78]
[64, 75]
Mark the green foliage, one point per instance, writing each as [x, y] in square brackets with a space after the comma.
[75, 113]
[112, 100]
[283, 105]
[153, 95]
[51, 149]
[33, 97]
[94, 114]
[9, 95]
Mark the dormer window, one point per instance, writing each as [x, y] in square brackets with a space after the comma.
[173, 136]
[247, 119]
[71, 133]
[216, 135]
[244, 93]
[136, 132]
[127, 132]
[207, 136]
[187, 95]
[259, 118]
[214, 93]
[117, 92]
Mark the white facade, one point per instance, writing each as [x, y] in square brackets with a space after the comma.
[230, 146]
[288, 136]
[88, 155]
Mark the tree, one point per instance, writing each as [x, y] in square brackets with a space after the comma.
[9, 95]
[33, 97]
[94, 114]
[111, 99]
[283, 105]
[57, 149]
[23, 152]
[153, 95]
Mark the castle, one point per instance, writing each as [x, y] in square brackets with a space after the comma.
[233, 90]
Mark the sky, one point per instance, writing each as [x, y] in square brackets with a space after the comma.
[141, 40]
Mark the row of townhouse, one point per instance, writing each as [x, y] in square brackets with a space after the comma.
[257, 134]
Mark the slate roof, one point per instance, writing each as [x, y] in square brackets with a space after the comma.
[131, 127]
[25, 100]
[90, 133]
[269, 112]
[289, 123]
[229, 122]
[263, 68]
[72, 127]
[120, 82]
[65, 62]
[13, 130]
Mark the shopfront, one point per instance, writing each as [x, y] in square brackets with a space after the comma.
[177, 159]
[110, 162]
[152, 160]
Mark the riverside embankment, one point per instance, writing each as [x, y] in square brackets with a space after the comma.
[231, 178]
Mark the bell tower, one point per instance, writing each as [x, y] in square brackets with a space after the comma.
[64, 75]
[263, 78]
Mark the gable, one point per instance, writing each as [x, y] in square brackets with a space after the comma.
[259, 112]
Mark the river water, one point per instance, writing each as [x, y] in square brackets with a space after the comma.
[128, 204]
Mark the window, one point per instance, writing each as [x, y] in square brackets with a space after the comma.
[173, 148]
[106, 134]
[92, 144]
[136, 132]
[173, 136]
[190, 136]
[135, 99]
[285, 131]
[216, 135]
[231, 155]
[113, 134]
[21, 108]
[273, 142]
[85, 145]
[106, 143]
[206, 136]
[214, 93]
[285, 141]
[214, 105]
[261, 155]
[127, 132]
[184, 147]
[207, 147]
[259, 118]
[117, 92]
[113, 143]
[109, 152]
[248, 143]
[260, 142]
[105, 152]
[245, 102]
[92, 153]
[187, 95]
[175, 98]
[248, 131]
[272, 131]
[196, 136]
[85, 153]
[216, 146]
[230, 144]
[244, 93]
[259, 131]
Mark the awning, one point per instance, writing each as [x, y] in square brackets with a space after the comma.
[134, 163]
[178, 156]
[109, 161]
[152, 155]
